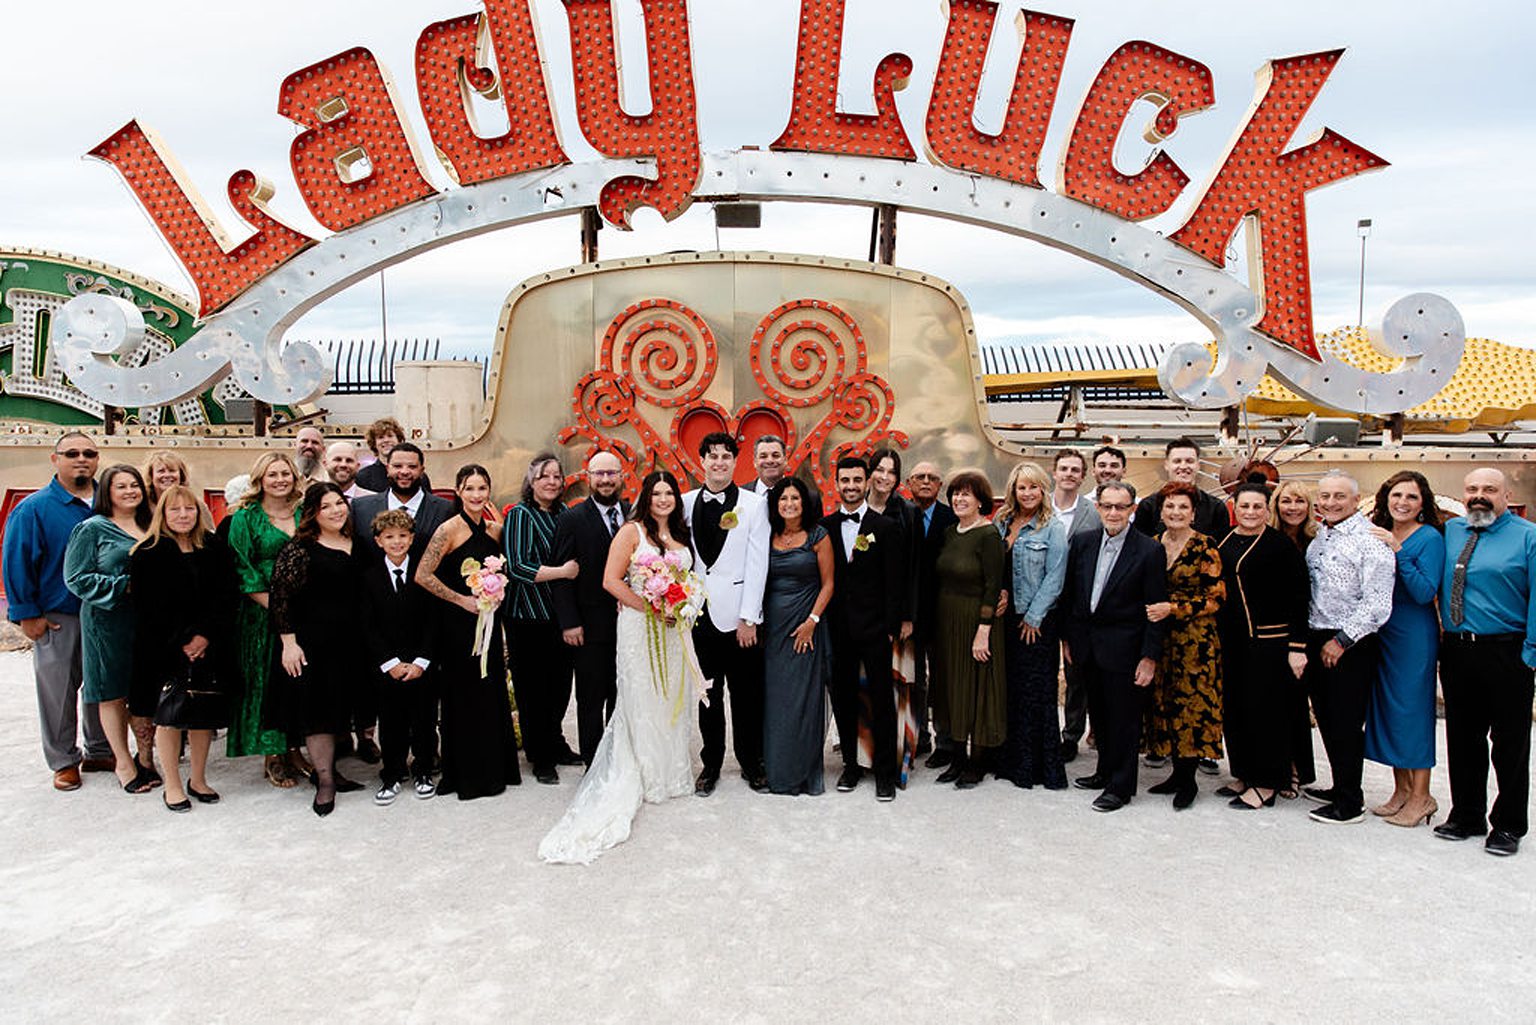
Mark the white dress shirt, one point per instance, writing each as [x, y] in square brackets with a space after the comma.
[850, 527]
[413, 506]
[403, 566]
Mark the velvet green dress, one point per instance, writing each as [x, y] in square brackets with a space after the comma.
[971, 696]
[254, 541]
[96, 572]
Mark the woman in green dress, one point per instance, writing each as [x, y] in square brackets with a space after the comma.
[265, 521]
[972, 683]
[96, 572]
[1183, 720]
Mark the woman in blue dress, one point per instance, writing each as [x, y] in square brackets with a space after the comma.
[1400, 725]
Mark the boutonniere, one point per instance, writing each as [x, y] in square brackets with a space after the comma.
[729, 519]
[861, 542]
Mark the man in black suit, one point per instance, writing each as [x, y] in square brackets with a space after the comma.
[1181, 462]
[406, 468]
[770, 463]
[1113, 574]
[399, 641]
[869, 603]
[587, 614]
[933, 519]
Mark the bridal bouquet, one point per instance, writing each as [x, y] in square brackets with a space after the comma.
[674, 597]
[488, 586]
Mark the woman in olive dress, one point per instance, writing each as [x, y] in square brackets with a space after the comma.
[797, 656]
[263, 523]
[479, 747]
[970, 653]
[1183, 720]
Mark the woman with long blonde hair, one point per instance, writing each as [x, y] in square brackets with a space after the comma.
[1291, 512]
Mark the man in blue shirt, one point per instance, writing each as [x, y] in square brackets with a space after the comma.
[36, 534]
[1488, 612]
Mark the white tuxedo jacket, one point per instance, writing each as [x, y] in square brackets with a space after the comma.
[735, 582]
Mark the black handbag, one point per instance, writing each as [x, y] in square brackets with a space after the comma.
[192, 700]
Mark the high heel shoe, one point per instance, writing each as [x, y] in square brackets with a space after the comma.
[1410, 815]
[1242, 805]
[323, 808]
[1391, 806]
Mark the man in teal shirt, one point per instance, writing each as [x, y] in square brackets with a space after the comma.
[1487, 655]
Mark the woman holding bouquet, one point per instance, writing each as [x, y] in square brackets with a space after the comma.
[644, 753]
[479, 747]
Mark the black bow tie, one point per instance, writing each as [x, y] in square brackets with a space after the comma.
[845, 517]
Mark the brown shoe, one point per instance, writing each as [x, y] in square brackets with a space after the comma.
[99, 765]
[67, 778]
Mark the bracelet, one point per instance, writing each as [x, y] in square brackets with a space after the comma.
[814, 618]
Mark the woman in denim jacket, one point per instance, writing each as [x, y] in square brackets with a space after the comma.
[1037, 565]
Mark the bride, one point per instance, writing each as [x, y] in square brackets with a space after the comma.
[644, 753]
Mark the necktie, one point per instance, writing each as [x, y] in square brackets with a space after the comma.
[1459, 577]
[613, 520]
[399, 580]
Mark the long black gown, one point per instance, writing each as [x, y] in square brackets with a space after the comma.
[479, 747]
[314, 596]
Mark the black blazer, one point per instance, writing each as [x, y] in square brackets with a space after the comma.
[869, 592]
[400, 624]
[925, 574]
[375, 477]
[177, 597]
[1117, 635]
[581, 534]
[434, 511]
[1211, 516]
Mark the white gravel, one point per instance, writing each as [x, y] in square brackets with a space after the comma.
[991, 905]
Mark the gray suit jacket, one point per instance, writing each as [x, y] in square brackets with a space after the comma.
[1087, 516]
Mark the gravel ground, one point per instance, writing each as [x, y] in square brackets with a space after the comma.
[994, 905]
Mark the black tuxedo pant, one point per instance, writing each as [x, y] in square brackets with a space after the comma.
[407, 726]
[596, 665]
[1117, 706]
[850, 656]
[1488, 692]
[1339, 698]
[541, 679]
[729, 666]
[1075, 708]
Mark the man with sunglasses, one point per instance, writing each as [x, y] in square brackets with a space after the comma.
[36, 534]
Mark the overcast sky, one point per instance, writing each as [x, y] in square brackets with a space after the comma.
[1442, 93]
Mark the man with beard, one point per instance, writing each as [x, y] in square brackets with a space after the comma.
[587, 614]
[36, 534]
[405, 467]
[1352, 576]
[341, 467]
[1488, 611]
[308, 456]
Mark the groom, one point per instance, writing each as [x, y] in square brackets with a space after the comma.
[730, 549]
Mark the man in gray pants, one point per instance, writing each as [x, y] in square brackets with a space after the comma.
[36, 534]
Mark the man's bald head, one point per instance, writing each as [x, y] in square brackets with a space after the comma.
[341, 463]
[605, 477]
[1486, 494]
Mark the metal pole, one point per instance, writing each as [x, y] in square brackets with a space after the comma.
[1360, 322]
[383, 310]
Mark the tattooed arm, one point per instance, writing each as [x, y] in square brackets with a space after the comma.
[426, 571]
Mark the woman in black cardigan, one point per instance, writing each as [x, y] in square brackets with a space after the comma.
[183, 592]
[1263, 628]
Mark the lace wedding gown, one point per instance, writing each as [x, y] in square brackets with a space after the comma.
[644, 754]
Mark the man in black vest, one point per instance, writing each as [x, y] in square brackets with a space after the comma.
[587, 614]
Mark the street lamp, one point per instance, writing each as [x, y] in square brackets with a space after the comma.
[1364, 227]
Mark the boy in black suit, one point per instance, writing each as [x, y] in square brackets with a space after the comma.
[865, 616]
[400, 621]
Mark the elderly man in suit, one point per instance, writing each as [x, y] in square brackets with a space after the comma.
[406, 469]
[1078, 514]
[587, 614]
[1113, 574]
[932, 518]
[730, 551]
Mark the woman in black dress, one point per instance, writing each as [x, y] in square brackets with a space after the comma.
[479, 747]
[315, 612]
[183, 588]
[1291, 513]
[1263, 628]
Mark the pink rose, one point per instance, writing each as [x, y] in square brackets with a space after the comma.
[656, 586]
[494, 563]
[492, 585]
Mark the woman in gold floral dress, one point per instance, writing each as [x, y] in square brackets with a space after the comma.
[1184, 718]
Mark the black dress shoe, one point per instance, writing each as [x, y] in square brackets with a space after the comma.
[970, 778]
[1068, 750]
[1185, 796]
[1108, 802]
[1450, 829]
[1093, 782]
[705, 784]
[940, 758]
[1502, 842]
[569, 757]
[885, 791]
[546, 774]
[849, 780]
[758, 781]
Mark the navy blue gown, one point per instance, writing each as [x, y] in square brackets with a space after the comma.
[1400, 725]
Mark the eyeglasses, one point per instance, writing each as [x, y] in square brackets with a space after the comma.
[76, 453]
[1116, 506]
[931, 477]
[602, 473]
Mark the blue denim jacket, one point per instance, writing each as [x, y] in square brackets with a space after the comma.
[1038, 568]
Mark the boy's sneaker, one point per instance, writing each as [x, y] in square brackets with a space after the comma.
[425, 788]
[387, 794]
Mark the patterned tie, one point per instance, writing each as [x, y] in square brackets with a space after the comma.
[399, 580]
[613, 520]
[1459, 576]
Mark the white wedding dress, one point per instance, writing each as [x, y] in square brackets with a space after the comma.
[644, 754]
